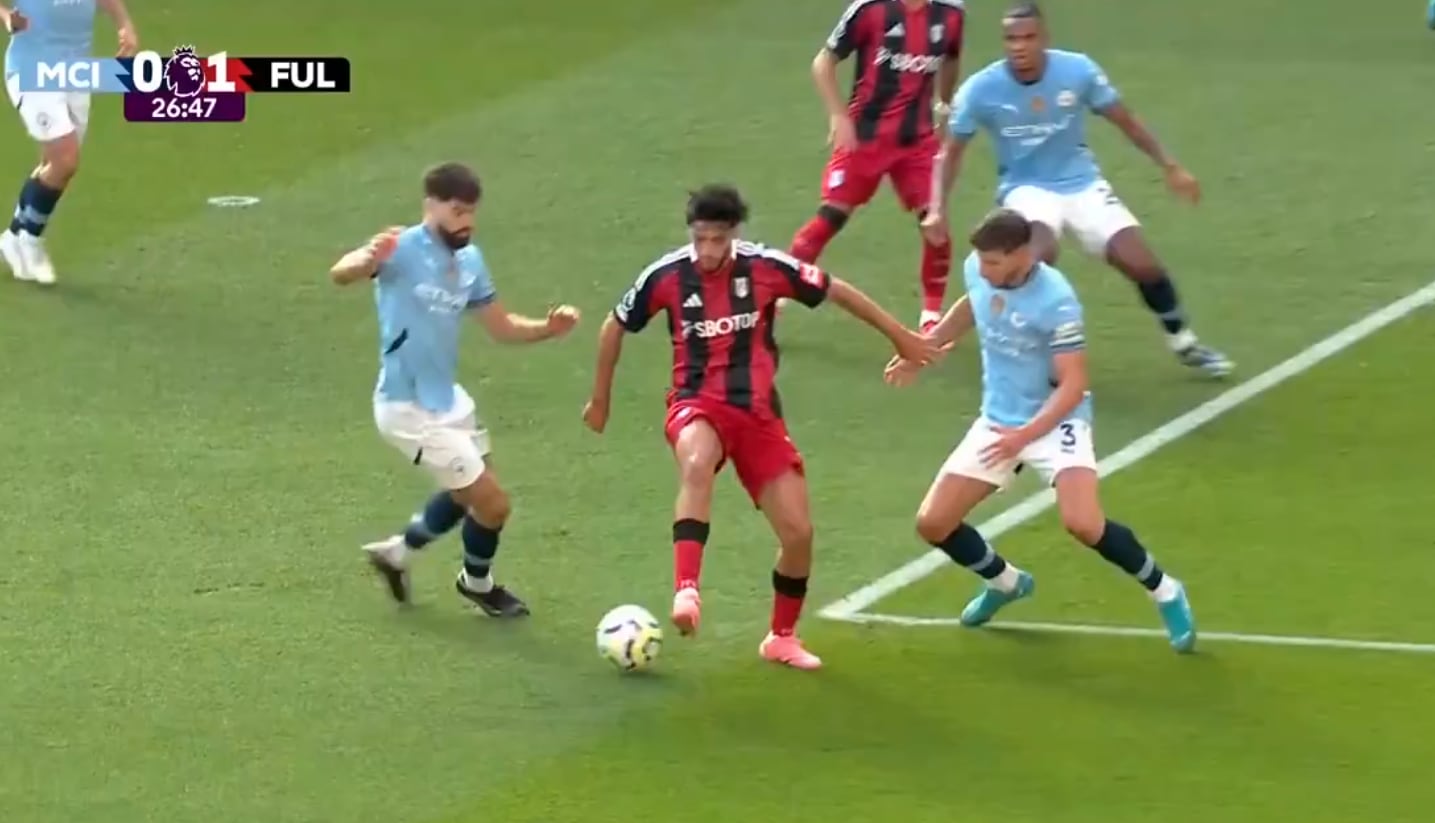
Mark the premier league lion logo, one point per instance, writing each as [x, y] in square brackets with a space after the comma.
[184, 73]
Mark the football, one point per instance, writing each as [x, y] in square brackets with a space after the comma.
[630, 638]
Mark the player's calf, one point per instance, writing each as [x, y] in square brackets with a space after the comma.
[784, 502]
[38, 198]
[936, 267]
[698, 452]
[1129, 254]
[488, 511]
[1082, 515]
[390, 557]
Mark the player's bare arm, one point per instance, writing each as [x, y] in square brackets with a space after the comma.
[909, 344]
[841, 133]
[610, 349]
[945, 170]
[1180, 181]
[953, 326]
[363, 263]
[15, 22]
[129, 40]
[506, 327]
[947, 77]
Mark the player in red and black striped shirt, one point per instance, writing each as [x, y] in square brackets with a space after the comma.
[720, 295]
[904, 50]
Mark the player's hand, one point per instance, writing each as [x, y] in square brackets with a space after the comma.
[934, 228]
[129, 40]
[918, 348]
[595, 414]
[382, 245]
[1007, 447]
[561, 320]
[900, 372]
[941, 115]
[1183, 184]
[841, 134]
[15, 22]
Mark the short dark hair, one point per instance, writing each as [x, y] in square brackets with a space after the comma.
[1003, 230]
[1023, 11]
[716, 203]
[452, 181]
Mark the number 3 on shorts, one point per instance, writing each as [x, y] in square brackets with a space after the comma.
[1068, 437]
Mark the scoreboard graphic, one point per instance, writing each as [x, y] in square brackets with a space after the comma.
[186, 87]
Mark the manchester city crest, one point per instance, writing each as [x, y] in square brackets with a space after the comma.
[998, 303]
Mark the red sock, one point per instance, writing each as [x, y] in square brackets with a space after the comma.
[787, 596]
[936, 263]
[689, 538]
[812, 238]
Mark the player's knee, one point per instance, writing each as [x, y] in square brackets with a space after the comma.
[698, 467]
[932, 526]
[835, 214]
[488, 502]
[1086, 526]
[62, 161]
[796, 537]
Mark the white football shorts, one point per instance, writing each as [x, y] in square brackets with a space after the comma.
[451, 446]
[1068, 446]
[50, 115]
[1093, 216]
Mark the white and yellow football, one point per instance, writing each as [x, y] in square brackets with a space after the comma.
[630, 638]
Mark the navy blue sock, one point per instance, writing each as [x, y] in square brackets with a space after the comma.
[438, 518]
[480, 544]
[1121, 548]
[968, 548]
[1160, 297]
[36, 203]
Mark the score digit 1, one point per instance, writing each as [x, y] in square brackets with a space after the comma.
[219, 69]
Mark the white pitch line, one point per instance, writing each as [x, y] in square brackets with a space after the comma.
[1131, 631]
[1142, 447]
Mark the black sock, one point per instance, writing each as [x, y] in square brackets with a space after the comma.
[1121, 548]
[34, 206]
[1161, 299]
[969, 549]
[439, 516]
[480, 544]
[835, 217]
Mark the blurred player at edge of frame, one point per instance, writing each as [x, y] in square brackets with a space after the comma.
[427, 278]
[1036, 412]
[1033, 104]
[886, 129]
[720, 295]
[50, 31]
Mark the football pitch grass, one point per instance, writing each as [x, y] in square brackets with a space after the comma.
[188, 631]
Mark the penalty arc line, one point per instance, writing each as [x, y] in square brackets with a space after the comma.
[867, 618]
[934, 560]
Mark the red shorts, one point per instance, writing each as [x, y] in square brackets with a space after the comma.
[852, 178]
[759, 448]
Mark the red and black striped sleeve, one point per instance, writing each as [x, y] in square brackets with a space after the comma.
[848, 34]
[789, 277]
[642, 301]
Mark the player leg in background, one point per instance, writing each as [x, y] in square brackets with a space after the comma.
[848, 183]
[784, 501]
[1128, 252]
[1081, 514]
[911, 177]
[941, 522]
[698, 451]
[57, 122]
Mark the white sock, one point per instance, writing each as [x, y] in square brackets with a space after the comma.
[478, 585]
[1181, 340]
[1167, 590]
[1006, 581]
